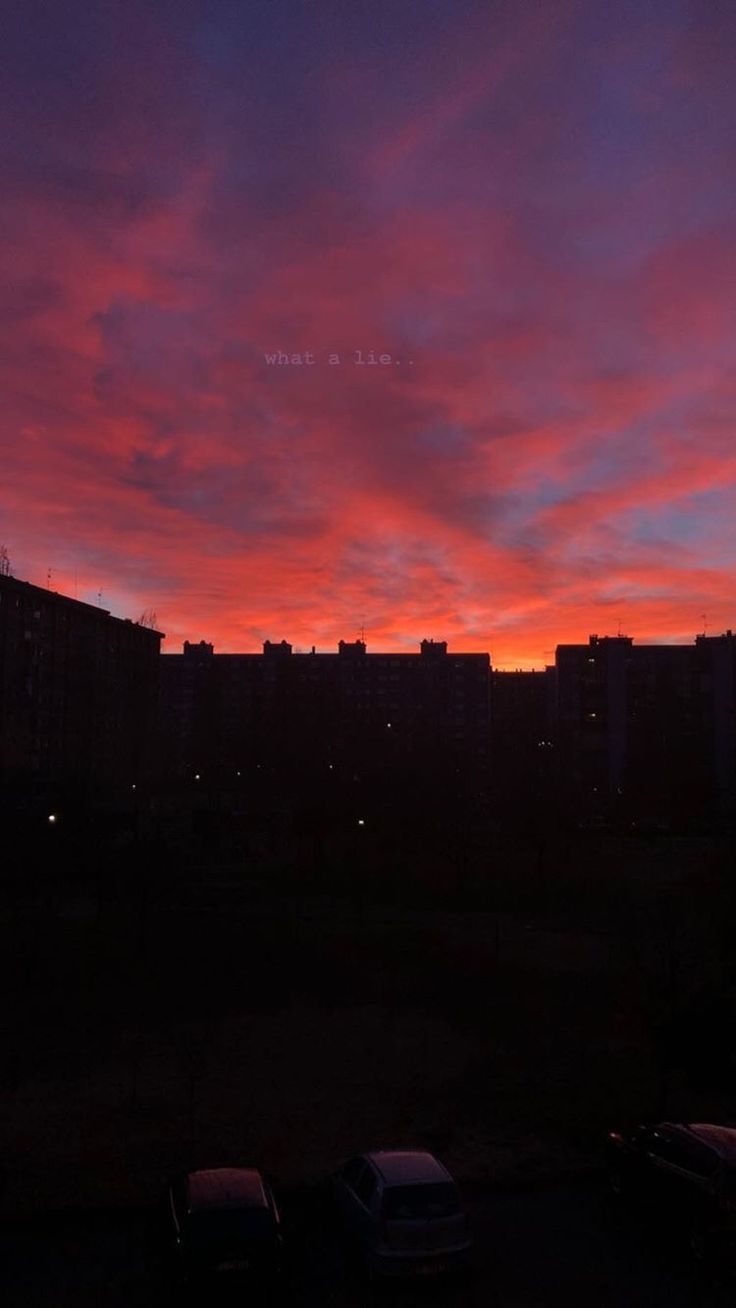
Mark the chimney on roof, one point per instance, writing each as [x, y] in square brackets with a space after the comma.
[202, 650]
[433, 648]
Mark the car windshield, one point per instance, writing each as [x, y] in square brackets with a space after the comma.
[230, 1226]
[420, 1202]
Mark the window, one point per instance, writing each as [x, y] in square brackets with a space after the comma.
[366, 1187]
[681, 1151]
[351, 1172]
[699, 1159]
[420, 1202]
[228, 1227]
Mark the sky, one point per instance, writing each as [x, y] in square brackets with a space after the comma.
[528, 208]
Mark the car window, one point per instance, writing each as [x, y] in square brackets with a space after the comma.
[366, 1187]
[351, 1172]
[681, 1151]
[702, 1160]
[662, 1144]
[420, 1202]
[230, 1226]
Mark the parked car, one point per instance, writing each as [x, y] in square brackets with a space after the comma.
[224, 1222]
[401, 1211]
[686, 1177]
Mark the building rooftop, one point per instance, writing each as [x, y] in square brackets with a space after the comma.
[44, 595]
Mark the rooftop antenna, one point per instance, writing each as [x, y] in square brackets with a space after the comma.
[362, 632]
[99, 598]
[619, 627]
[48, 578]
[704, 616]
[4, 562]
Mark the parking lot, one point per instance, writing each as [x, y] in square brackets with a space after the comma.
[565, 1244]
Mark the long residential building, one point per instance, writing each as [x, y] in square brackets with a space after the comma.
[226, 710]
[613, 731]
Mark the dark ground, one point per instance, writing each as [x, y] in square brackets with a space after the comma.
[165, 1010]
[559, 1245]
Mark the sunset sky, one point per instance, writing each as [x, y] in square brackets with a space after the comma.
[530, 205]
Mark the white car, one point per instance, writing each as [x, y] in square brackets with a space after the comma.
[401, 1210]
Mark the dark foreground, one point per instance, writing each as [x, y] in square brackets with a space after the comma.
[568, 1245]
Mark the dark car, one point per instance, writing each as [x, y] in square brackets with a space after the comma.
[685, 1176]
[224, 1223]
[401, 1212]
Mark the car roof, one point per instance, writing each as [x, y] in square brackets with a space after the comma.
[407, 1166]
[226, 1187]
[722, 1139]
